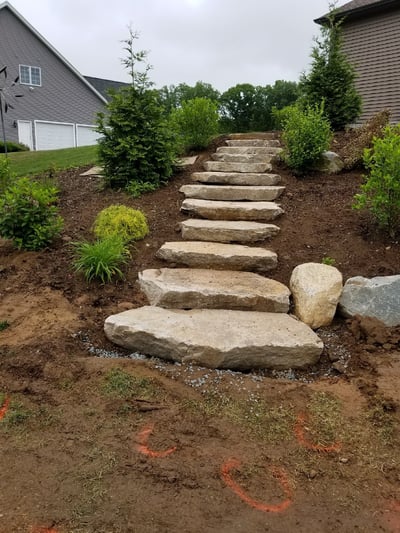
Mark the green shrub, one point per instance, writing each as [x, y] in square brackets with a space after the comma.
[101, 259]
[6, 177]
[380, 194]
[13, 147]
[196, 123]
[124, 222]
[28, 215]
[306, 134]
[136, 189]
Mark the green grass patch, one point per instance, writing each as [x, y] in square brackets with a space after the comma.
[35, 163]
[120, 384]
[4, 324]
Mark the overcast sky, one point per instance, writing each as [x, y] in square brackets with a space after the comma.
[222, 42]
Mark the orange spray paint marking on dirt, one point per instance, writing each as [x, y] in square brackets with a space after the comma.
[43, 530]
[142, 445]
[278, 473]
[4, 408]
[301, 439]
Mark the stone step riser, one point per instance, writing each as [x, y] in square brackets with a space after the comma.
[195, 254]
[232, 193]
[249, 150]
[220, 166]
[253, 142]
[215, 210]
[235, 178]
[226, 231]
[212, 289]
[243, 158]
[250, 339]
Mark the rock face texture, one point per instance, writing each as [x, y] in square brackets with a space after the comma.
[220, 166]
[207, 289]
[316, 290]
[330, 162]
[232, 192]
[227, 230]
[220, 256]
[218, 210]
[242, 158]
[376, 297]
[237, 178]
[252, 142]
[215, 338]
[254, 150]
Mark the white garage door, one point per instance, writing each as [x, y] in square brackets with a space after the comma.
[86, 135]
[53, 135]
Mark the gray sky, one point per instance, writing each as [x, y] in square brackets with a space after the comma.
[222, 42]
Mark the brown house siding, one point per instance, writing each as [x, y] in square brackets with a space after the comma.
[373, 46]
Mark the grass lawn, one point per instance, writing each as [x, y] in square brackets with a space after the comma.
[24, 163]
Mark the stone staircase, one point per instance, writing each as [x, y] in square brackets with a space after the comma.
[210, 305]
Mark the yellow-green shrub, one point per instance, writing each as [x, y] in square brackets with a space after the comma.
[127, 223]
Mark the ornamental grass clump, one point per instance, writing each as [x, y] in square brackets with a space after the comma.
[121, 221]
[102, 259]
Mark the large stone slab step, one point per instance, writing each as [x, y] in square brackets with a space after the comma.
[243, 158]
[216, 338]
[201, 254]
[253, 150]
[252, 142]
[221, 166]
[190, 288]
[227, 230]
[218, 210]
[232, 192]
[236, 178]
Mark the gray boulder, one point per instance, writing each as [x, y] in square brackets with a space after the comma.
[376, 297]
[329, 162]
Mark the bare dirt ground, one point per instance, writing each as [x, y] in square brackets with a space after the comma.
[92, 443]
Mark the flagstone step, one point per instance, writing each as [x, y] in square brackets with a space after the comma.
[252, 142]
[236, 178]
[255, 150]
[218, 210]
[222, 166]
[216, 338]
[232, 192]
[227, 231]
[243, 158]
[202, 254]
[189, 288]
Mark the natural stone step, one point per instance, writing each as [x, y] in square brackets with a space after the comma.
[221, 166]
[227, 230]
[201, 254]
[216, 210]
[243, 158]
[253, 142]
[236, 178]
[216, 338]
[257, 135]
[232, 192]
[189, 288]
[254, 150]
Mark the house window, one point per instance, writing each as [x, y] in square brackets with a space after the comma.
[30, 75]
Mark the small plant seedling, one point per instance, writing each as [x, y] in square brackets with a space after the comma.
[328, 261]
[4, 324]
[121, 384]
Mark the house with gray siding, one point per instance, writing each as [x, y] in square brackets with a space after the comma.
[371, 41]
[58, 108]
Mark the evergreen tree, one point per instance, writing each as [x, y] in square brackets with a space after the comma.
[332, 77]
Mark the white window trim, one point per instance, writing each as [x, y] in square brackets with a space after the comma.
[30, 75]
[35, 122]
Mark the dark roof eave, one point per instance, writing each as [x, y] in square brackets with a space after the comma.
[359, 11]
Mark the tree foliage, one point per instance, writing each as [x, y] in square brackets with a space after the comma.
[173, 96]
[332, 78]
[137, 144]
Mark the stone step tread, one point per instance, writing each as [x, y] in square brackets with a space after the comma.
[253, 142]
[236, 178]
[227, 230]
[216, 338]
[251, 150]
[243, 158]
[189, 288]
[221, 256]
[220, 210]
[221, 166]
[232, 192]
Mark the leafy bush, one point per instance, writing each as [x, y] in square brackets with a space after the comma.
[306, 134]
[136, 189]
[101, 259]
[28, 215]
[380, 194]
[13, 147]
[121, 221]
[137, 144]
[358, 139]
[196, 122]
[6, 177]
